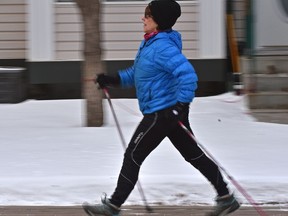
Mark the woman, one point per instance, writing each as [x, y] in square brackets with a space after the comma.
[165, 84]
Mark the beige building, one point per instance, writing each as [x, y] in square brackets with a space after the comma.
[45, 38]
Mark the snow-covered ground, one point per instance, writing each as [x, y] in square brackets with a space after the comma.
[48, 157]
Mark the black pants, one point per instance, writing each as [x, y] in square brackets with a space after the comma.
[150, 132]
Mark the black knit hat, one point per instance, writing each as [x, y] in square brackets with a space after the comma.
[165, 13]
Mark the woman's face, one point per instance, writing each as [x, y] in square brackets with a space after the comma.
[149, 25]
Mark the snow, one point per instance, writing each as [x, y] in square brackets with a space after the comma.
[48, 156]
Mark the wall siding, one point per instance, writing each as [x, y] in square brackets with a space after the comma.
[12, 29]
[121, 29]
[239, 14]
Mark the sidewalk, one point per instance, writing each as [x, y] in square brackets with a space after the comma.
[133, 211]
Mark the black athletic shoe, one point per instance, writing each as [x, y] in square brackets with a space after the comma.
[105, 208]
[224, 206]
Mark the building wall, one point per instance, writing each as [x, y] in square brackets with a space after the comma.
[239, 14]
[13, 29]
[47, 31]
[48, 36]
[121, 24]
[68, 37]
[122, 30]
[271, 26]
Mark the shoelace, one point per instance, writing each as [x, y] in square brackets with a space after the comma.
[104, 198]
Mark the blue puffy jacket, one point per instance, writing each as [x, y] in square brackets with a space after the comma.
[161, 74]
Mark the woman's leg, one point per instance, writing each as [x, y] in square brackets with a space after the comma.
[148, 135]
[195, 156]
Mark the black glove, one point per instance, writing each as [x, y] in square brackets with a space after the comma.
[104, 80]
[177, 111]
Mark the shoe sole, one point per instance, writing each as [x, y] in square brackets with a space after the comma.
[90, 211]
[86, 207]
[86, 210]
[230, 210]
[227, 211]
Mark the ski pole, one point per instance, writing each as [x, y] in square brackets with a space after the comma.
[234, 182]
[140, 189]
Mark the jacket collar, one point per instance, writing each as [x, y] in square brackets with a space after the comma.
[147, 36]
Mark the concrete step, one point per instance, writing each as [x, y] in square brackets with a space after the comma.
[279, 116]
[267, 100]
[264, 64]
[265, 82]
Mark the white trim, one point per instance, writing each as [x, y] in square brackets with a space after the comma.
[40, 30]
[212, 29]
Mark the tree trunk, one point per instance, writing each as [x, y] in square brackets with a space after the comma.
[92, 64]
